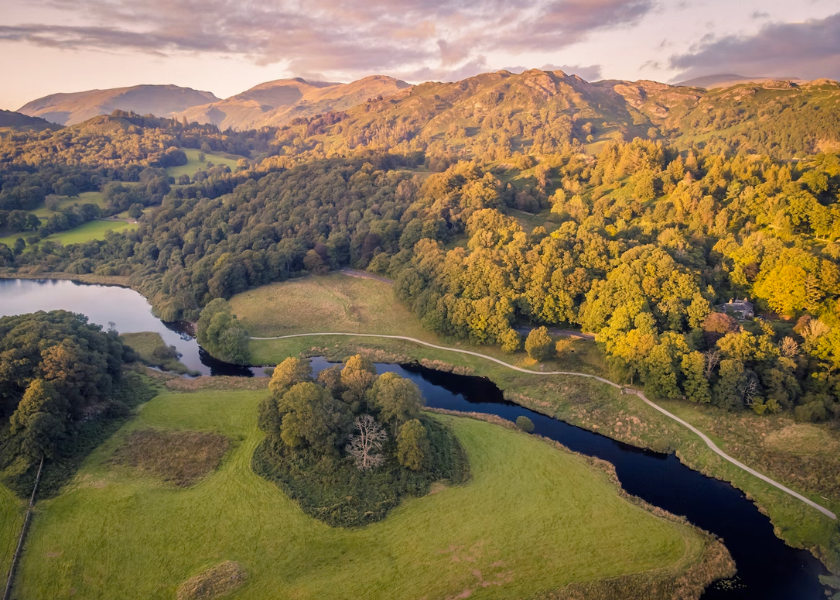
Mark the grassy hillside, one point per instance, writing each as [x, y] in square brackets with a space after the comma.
[334, 302]
[532, 518]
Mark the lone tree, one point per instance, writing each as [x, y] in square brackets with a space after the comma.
[365, 447]
[525, 424]
[539, 345]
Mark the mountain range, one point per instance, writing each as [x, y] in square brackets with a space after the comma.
[499, 114]
[276, 103]
[722, 80]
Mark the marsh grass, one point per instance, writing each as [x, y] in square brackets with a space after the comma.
[216, 582]
[178, 457]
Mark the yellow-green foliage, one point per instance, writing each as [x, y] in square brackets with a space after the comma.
[532, 518]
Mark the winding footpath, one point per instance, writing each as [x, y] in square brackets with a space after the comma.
[702, 435]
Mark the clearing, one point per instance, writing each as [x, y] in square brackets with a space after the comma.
[92, 230]
[346, 304]
[193, 164]
[532, 518]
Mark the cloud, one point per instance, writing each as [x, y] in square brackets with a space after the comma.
[589, 73]
[446, 38]
[809, 49]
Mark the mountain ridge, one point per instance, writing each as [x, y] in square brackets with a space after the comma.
[76, 107]
[275, 103]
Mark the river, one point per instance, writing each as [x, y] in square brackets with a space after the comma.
[768, 569]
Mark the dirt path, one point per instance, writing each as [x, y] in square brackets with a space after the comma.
[702, 435]
[366, 275]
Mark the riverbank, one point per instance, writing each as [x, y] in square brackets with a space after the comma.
[534, 518]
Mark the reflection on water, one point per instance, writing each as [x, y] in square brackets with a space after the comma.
[126, 309]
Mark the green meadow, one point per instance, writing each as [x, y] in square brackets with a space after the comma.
[532, 518]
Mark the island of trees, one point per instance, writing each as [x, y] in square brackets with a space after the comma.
[350, 444]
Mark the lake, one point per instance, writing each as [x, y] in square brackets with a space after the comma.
[768, 569]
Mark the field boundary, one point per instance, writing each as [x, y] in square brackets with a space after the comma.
[712, 446]
[11, 579]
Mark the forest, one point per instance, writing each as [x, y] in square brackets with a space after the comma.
[534, 214]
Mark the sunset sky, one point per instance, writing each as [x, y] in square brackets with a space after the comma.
[227, 46]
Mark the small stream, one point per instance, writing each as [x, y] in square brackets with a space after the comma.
[768, 569]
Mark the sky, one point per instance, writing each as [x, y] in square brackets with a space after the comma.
[228, 46]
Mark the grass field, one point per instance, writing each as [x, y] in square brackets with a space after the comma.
[532, 518]
[306, 305]
[193, 164]
[12, 510]
[92, 230]
[333, 302]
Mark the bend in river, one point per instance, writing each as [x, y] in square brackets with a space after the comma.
[767, 567]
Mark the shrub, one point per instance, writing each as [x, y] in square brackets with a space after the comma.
[525, 424]
[539, 345]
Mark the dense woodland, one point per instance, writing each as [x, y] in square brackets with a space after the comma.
[497, 202]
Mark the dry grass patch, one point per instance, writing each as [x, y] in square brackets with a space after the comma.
[219, 581]
[802, 438]
[179, 457]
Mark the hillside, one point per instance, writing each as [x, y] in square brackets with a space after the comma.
[15, 121]
[494, 115]
[275, 103]
[159, 100]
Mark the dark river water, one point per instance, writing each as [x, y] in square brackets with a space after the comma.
[768, 569]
